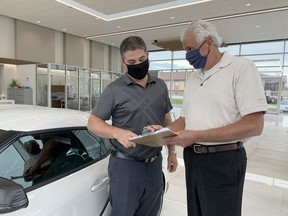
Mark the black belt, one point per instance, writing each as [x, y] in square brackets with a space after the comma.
[122, 156]
[200, 149]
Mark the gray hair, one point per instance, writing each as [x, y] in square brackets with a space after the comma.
[132, 43]
[202, 30]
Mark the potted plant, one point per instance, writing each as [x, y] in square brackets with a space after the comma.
[14, 84]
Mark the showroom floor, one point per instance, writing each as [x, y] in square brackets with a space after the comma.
[266, 184]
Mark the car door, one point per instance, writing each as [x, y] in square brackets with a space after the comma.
[75, 182]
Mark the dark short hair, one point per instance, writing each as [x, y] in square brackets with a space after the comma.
[132, 43]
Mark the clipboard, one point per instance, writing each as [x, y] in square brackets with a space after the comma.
[153, 139]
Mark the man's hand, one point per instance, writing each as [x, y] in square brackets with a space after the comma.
[172, 163]
[184, 138]
[123, 137]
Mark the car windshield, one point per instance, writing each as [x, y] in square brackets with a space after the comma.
[285, 102]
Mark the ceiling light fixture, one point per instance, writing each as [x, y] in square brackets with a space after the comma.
[130, 13]
[185, 23]
[38, 21]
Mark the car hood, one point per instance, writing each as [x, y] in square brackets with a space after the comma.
[30, 118]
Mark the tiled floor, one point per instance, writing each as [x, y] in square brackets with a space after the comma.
[266, 184]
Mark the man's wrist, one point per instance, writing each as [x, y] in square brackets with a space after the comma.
[172, 152]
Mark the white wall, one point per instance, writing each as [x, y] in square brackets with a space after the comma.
[115, 59]
[59, 45]
[7, 73]
[7, 48]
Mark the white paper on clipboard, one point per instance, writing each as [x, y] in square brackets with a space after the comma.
[153, 139]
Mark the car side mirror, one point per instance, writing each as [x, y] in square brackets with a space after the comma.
[12, 196]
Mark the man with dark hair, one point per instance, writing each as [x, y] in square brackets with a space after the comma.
[134, 101]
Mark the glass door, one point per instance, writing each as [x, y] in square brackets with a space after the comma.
[272, 88]
[72, 82]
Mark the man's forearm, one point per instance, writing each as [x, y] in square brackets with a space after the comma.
[177, 125]
[100, 127]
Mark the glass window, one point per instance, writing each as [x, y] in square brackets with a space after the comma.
[261, 48]
[179, 54]
[232, 49]
[95, 146]
[84, 88]
[12, 165]
[178, 86]
[57, 77]
[160, 55]
[181, 64]
[41, 93]
[272, 60]
[286, 60]
[106, 79]
[96, 87]
[160, 65]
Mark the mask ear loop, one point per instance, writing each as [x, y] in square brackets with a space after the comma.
[202, 44]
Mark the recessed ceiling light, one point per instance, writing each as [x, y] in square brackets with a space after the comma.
[64, 29]
[37, 21]
[172, 17]
[248, 4]
[112, 43]
[257, 26]
[261, 33]
[118, 26]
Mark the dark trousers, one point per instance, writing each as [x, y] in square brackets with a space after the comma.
[215, 182]
[136, 188]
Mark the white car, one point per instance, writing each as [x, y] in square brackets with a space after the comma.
[284, 106]
[74, 181]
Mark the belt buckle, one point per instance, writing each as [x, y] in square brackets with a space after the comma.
[150, 160]
[195, 150]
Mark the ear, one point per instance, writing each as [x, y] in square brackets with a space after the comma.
[124, 66]
[210, 41]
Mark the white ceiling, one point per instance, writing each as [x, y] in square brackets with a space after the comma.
[272, 24]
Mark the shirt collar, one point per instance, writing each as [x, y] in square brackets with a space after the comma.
[129, 81]
[224, 62]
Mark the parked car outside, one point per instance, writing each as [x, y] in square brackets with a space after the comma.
[271, 99]
[284, 106]
[75, 179]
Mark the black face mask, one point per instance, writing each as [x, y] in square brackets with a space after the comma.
[138, 71]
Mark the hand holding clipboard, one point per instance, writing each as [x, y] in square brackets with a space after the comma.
[153, 139]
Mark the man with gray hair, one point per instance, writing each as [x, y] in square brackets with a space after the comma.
[224, 104]
[134, 101]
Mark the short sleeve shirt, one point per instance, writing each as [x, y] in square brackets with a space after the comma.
[223, 94]
[132, 107]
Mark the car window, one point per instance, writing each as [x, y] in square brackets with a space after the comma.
[11, 166]
[39, 157]
[95, 146]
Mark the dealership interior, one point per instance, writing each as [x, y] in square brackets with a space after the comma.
[63, 53]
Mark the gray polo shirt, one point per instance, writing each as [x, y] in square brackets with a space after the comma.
[133, 107]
